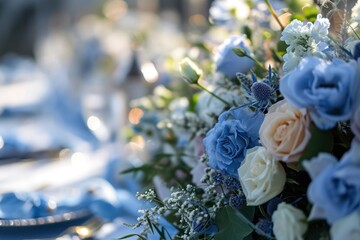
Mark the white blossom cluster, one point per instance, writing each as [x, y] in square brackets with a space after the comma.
[210, 108]
[305, 39]
[184, 203]
[187, 121]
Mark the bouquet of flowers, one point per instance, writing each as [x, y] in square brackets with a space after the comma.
[265, 142]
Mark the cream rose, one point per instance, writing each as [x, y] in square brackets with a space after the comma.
[289, 222]
[347, 228]
[285, 131]
[261, 177]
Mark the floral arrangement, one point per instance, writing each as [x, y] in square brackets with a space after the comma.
[265, 143]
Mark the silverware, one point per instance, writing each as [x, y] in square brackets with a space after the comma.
[84, 231]
[59, 218]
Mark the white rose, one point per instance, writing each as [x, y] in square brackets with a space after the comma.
[347, 228]
[261, 176]
[289, 222]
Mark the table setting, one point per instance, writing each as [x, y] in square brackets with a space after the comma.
[60, 150]
[57, 175]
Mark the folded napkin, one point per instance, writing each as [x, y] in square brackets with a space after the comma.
[24, 88]
[95, 195]
[38, 112]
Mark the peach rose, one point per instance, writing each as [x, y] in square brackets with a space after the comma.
[285, 131]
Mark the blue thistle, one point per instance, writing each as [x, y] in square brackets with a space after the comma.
[237, 201]
[217, 177]
[272, 205]
[232, 184]
[261, 91]
[266, 226]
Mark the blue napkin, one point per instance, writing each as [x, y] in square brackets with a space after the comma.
[96, 195]
[44, 105]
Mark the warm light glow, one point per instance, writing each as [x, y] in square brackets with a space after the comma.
[197, 20]
[83, 232]
[150, 73]
[135, 115]
[93, 123]
[115, 9]
[1, 142]
[98, 127]
[138, 141]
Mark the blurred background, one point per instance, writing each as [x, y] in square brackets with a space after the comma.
[68, 73]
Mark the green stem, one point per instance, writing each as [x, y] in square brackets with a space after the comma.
[257, 62]
[273, 13]
[353, 30]
[213, 94]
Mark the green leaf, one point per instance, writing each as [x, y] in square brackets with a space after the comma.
[310, 12]
[320, 141]
[132, 235]
[247, 31]
[298, 16]
[150, 225]
[231, 224]
[281, 48]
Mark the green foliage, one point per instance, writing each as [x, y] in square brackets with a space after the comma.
[309, 13]
[132, 235]
[317, 230]
[320, 141]
[231, 223]
[159, 163]
[281, 48]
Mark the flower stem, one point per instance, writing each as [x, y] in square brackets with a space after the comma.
[213, 94]
[253, 226]
[273, 13]
[358, 37]
[257, 62]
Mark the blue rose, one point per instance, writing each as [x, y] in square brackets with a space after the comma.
[227, 62]
[327, 90]
[335, 187]
[226, 143]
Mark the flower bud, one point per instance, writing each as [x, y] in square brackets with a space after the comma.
[240, 52]
[189, 71]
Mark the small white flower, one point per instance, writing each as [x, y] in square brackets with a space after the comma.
[210, 108]
[291, 32]
[320, 29]
[291, 61]
[305, 39]
[289, 222]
